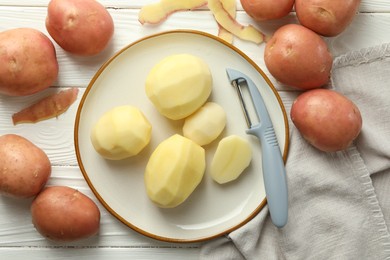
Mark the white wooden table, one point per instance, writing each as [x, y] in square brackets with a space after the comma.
[18, 238]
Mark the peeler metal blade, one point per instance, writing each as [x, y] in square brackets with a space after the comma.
[274, 172]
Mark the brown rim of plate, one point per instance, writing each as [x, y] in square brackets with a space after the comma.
[101, 200]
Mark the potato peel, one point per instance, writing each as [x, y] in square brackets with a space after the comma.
[157, 12]
[222, 16]
[224, 12]
[230, 7]
[48, 107]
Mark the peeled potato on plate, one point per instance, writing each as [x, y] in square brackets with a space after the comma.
[206, 124]
[121, 132]
[178, 85]
[232, 156]
[174, 170]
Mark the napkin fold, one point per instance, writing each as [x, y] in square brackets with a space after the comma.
[335, 211]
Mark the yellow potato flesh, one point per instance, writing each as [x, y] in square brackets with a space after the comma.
[232, 156]
[206, 124]
[223, 17]
[179, 85]
[174, 170]
[121, 132]
[157, 12]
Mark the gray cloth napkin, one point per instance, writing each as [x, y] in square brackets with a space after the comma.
[334, 210]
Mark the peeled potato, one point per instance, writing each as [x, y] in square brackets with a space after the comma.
[174, 170]
[232, 156]
[121, 132]
[178, 85]
[206, 124]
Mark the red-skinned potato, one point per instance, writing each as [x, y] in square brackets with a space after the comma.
[28, 62]
[328, 18]
[298, 57]
[326, 119]
[83, 28]
[61, 214]
[25, 168]
[262, 10]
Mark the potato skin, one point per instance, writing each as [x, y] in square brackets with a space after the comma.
[286, 57]
[25, 168]
[267, 9]
[28, 62]
[80, 27]
[328, 18]
[61, 213]
[326, 119]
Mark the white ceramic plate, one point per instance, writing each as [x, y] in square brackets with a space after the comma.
[213, 209]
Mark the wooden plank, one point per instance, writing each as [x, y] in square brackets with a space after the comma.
[99, 253]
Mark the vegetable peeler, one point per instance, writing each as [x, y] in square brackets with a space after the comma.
[274, 172]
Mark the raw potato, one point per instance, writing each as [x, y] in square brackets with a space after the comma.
[61, 213]
[232, 157]
[326, 119]
[28, 62]
[178, 85]
[328, 18]
[267, 9]
[174, 170]
[25, 168]
[298, 57]
[121, 132]
[206, 124]
[80, 27]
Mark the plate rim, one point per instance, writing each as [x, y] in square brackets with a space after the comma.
[88, 89]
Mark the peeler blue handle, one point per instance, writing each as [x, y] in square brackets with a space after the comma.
[274, 172]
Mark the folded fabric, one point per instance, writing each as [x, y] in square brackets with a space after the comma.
[334, 212]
